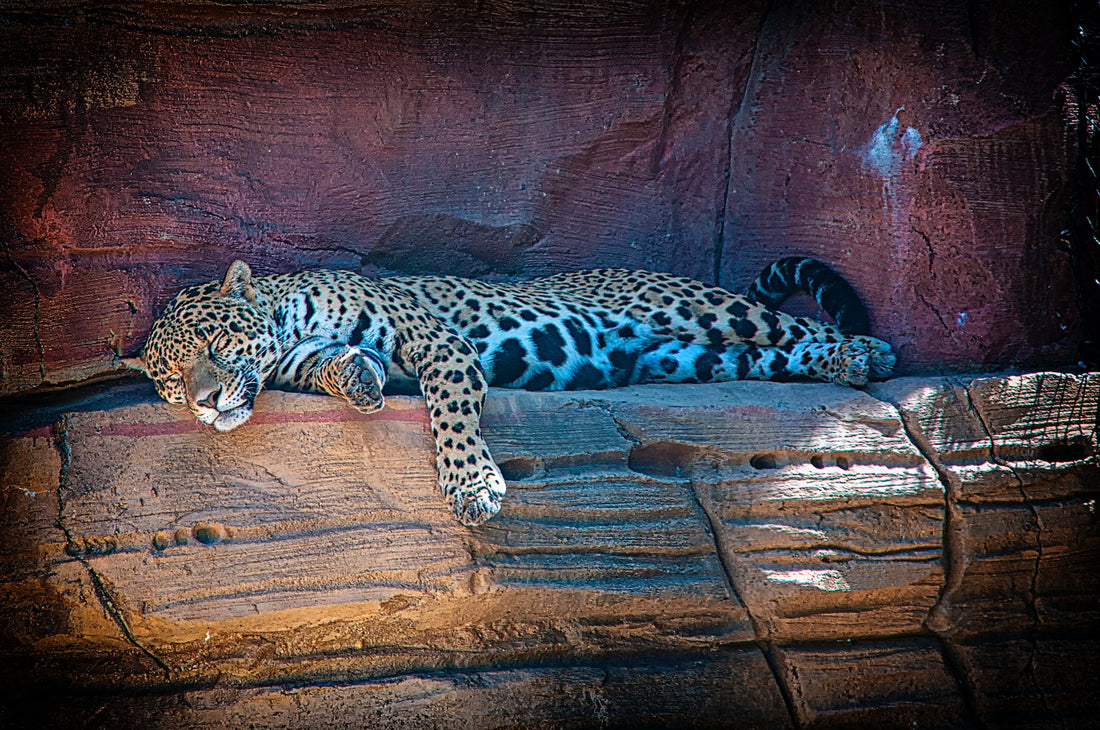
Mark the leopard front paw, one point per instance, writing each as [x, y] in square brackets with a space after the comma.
[361, 377]
[474, 494]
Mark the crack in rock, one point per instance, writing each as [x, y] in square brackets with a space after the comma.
[761, 635]
[1036, 519]
[955, 560]
[74, 548]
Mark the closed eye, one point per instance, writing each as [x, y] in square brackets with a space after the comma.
[216, 343]
[216, 349]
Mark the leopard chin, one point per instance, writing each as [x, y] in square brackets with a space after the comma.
[229, 420]
[226, 420]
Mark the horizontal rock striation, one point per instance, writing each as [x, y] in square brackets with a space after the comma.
[743, 554]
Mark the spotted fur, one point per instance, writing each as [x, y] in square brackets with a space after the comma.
[335, 332]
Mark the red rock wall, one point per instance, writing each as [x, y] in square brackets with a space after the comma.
[146, 145]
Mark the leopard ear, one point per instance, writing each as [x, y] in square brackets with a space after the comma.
[238, 282]
[135, 363]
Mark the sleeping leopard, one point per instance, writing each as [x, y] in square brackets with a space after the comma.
[336, 332]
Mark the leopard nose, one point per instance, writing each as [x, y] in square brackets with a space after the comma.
[210, 399]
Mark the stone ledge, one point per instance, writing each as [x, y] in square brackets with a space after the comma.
[787, 555]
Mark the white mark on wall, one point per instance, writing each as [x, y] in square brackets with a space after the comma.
[887, 155]
[891, 147]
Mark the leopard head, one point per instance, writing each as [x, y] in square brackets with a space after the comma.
[212, 349]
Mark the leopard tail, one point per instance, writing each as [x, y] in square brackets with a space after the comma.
[802, 274]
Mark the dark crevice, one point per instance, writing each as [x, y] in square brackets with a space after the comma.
[665, 458]
[74, 549]
[1036, 520]
[933, 310]
[931, 251]
[958, 666]
[520, 468]
[954, 557]
[939, 620]
[60, 433]
[624, 429]
[1083, 233]
[363, 258]
[737, 103]
[768, 649]
[1060, 452]
[181, 202]
[680, 460]
[773, 656]
[974, 25]
[763, 461]
[107, 600]
[723, 202]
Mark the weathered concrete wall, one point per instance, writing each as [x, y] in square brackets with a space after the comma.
[746, 554]
[916, 146]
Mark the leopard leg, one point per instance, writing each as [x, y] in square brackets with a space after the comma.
[454, 386]
[852, 361]
[673, 361]
[319, 365]
[720, 321]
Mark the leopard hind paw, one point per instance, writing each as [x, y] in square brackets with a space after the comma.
[854, 365]
[881, 360]
[863, 359]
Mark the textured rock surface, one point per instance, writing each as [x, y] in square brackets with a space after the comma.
[747, 554]
[147, 144]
